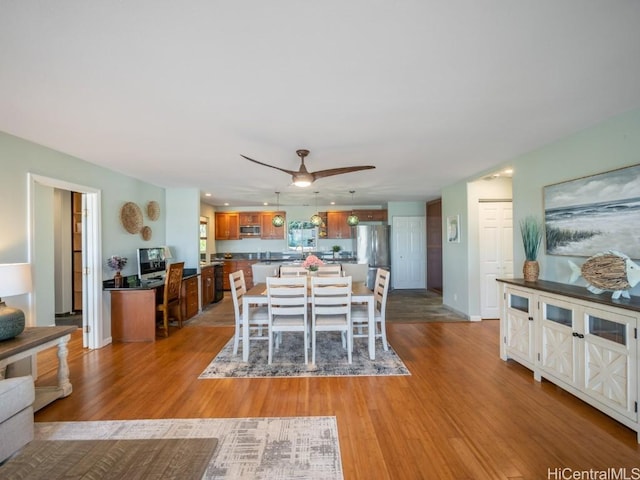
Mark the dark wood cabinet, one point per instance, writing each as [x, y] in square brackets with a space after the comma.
[227, 226]
[207, 285]
[337, 225]
[434, 246]
[189, 301]
[231, 266]
[250, 218]
[269, 231]
[377, 215]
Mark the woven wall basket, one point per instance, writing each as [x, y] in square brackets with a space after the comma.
[153, 210]
[131, 217]
[146, 233]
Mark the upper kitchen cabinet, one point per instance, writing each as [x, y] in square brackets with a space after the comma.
[250, 218]
[337, 226]
[269, 231]
[371, 215]
[227, 226]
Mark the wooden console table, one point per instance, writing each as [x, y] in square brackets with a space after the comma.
[28, 344]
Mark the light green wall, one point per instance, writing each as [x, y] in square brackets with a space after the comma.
[18, 158]
[609, 145]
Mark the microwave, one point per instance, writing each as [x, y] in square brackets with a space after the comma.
[249, 230]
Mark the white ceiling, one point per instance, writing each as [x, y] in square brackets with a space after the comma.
[430, 92]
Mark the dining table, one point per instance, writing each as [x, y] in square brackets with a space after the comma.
[257, 295]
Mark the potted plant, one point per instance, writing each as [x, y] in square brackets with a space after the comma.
[531, 230]
[117, 263]
[336, 249]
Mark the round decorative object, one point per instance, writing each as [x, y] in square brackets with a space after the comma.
[153, 210]
[316, 220]
[131, 217]
[353, 220]
[277, 221]
[146, 233]
[531, 270]
[11, 322]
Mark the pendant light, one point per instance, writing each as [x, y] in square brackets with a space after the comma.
[277, 220]
[316, 219]
[352, 220]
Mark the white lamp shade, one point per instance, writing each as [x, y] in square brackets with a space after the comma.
[167, 252]
[15, 279]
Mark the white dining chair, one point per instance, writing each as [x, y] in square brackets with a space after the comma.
[331, 270]
[360, 315]
[261, 272]
[292, 271]
[258, 314]
[287, 302]
[357, 271]
[331, 310]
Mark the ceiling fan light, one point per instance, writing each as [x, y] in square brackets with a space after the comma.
[353, 220]
[301, 182]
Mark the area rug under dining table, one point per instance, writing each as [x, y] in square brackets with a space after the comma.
[288, 360]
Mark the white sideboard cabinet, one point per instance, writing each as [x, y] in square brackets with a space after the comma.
[586, 344]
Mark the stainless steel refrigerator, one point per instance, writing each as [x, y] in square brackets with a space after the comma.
[371, 246]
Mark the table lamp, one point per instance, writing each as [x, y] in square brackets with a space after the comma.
[15, 279]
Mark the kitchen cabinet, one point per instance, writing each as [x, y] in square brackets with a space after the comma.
[249, 218]
[227, 226]
[585, 343]
[207, 285]
[269, 231]
[189, 302]
[231, 266]
[337, 226]
[376, 215]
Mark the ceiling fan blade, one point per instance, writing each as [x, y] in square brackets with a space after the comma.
[290, 172]
[338, 171]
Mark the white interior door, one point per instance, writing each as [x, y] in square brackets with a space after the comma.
[496, 252]
[409, 247]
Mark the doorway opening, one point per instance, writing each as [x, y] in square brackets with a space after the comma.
[40, 241]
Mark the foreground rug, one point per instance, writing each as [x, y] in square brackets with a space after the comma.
[257, 448]
[288, 360]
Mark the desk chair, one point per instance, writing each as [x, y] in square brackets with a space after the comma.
[170, 306]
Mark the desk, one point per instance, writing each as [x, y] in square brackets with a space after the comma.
[257, 295]
[28, 344]
[133, 309]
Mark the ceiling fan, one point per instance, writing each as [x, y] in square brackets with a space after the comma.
[304, 178]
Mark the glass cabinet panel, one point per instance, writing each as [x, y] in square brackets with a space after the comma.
[612, 331]
[519, 303]
[560, 315]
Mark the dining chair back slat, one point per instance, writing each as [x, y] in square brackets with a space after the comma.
[359, 314]
[331, 310]
[334, 270]
[258, 316]
[292, 270]
[287, 310]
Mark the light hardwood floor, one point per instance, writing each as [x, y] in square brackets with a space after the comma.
[462, 414]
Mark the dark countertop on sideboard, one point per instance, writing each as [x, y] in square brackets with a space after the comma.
[578, 292]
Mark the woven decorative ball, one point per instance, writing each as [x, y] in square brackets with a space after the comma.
[153, 210]
[146, 233]
[131, 217]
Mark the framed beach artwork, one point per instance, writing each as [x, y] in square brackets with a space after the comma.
[453, 229]
[594, 214]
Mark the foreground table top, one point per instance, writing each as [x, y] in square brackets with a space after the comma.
[32, 337]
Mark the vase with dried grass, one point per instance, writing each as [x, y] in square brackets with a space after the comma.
[531, 230]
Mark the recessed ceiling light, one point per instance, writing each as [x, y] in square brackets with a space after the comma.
[265, 203]
[333, 203]
[226, 204]
[207, 194]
